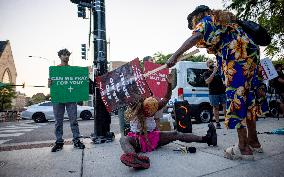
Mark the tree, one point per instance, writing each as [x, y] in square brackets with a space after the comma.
[7, 94]
[163, 58]
[269, 14]
[37, 98]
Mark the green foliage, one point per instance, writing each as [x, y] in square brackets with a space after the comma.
[280, 61]
[268, 13]
[198, 58]
[163, 58]
[37, 98]
[7, 94]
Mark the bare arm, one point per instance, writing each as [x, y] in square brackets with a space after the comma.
[189, 43]
[49, 82]
[281, 80]
[211, 77]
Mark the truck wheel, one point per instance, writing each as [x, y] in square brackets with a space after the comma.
[205, 115]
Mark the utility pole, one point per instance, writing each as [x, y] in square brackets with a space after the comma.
[102, 118]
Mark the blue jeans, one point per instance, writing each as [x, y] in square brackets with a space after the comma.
[59, 110]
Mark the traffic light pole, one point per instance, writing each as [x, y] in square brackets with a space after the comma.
[102, 118]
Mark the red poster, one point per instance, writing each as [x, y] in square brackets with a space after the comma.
[157, 81]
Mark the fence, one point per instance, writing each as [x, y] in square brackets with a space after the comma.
[9, 116]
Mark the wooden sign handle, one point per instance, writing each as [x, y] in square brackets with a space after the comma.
[165, 65]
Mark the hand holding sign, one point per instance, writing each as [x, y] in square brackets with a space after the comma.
[123, 85]
[126, 84]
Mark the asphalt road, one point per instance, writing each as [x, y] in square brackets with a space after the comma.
[28, 131]
[25, 131]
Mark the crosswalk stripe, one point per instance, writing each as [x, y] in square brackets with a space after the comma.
[17, 128]
[10, 134]
[3, 141]
[12, 131]
[26, 126]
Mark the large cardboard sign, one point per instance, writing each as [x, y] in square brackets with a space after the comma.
[157, 82]
[69, 84]
[269, 70]
[123, 86]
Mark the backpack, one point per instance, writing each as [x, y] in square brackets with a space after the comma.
[258, 33]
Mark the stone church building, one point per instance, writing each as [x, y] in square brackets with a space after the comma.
[8, 71]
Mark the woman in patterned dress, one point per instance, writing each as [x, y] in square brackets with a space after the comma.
[238, 57]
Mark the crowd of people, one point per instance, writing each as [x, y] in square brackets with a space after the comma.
[241, 93]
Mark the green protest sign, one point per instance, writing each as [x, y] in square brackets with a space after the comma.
[69, 84]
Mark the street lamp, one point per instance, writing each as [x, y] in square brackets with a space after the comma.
[31, 56]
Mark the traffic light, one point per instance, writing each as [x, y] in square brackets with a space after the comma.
[81, 11]
[84, 51]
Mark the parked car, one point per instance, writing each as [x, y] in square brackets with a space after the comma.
[42, 112]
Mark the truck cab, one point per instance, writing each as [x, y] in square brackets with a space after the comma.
[190, 85]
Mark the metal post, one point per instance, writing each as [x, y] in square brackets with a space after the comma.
[101, 116]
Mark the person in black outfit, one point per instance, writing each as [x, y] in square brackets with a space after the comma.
[216, 90]
[278, 84]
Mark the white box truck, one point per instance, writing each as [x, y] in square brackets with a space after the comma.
[190, 84]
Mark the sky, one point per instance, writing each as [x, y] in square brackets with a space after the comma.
[134, 28]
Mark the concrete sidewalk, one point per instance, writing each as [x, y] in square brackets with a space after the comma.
[103, 160]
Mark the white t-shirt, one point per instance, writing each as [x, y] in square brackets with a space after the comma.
[135, 125]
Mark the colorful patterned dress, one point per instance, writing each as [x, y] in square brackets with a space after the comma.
[238, 57]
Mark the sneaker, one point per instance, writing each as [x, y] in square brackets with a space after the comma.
[135, 161]
[57, 147]
[211, 135]
[218, 125]
[78, 144]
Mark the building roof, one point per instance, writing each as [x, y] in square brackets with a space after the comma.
[2, 46]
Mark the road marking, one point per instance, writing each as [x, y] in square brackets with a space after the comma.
[17, 128]
[11, 134]
[12, 131]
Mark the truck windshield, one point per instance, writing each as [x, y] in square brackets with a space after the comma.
[195, 77]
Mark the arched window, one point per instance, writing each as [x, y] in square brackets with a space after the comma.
[7, 76]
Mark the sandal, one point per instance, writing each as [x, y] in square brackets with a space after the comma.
[259, 150]
[234, 153]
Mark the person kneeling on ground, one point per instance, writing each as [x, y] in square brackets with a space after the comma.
[144, 136]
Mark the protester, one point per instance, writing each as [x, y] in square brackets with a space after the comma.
[217, 31]
[124, 126]
[278, 84]
[144, 136]
[217, 89]
[59, 110]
